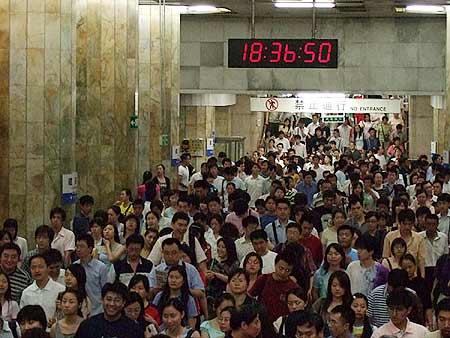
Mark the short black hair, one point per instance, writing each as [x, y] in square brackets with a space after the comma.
[399, 298]
[258, 234]
[138, 201]
[311, 319]
[117, 288]
[406, 215]
[52, 256]
[286, 257]
[250, 219]
[246, 314]
[86, 238]
[32, 313]
[41, 256]
[10, 246]
[346, 227]
[364, 244]
[347, 313]
[443, 305]
[180, 215]
[44, 230]
[35, 332]
[135, 239]
[58, 211]
[86, 199]
[171, 241]
[397, 278]
[11, 223]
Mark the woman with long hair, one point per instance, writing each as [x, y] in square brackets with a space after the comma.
[10, 308]
[211, 328]
[70, 305]
[174, 318]
[131, 228]
[334, 260]
[141, 285]
[338, 293]
[398, 249]
[253, 265]
[75, 279]
[150, 237]
[96, 226]
[111, 250]
[362, 327]
[177, 287]
[220, 268]
[161, 179]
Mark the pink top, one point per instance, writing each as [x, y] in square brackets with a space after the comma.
[412, 330]
[237, 220]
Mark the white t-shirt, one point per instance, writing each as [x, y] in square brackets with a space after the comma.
[255, 188]
[183, 173]
[269, 262]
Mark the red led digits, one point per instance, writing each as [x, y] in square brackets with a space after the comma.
[256, 51]
[309, 51]
[244, 55]
[289, 55]
[325, 52]
[277, 48]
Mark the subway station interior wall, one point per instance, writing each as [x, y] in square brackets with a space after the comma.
[375, 55]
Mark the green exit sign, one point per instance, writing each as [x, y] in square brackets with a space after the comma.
[133, 122]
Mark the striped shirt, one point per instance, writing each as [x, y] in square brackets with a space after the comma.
[19, 280]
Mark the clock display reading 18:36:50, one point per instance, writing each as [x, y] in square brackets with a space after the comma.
[282, 53]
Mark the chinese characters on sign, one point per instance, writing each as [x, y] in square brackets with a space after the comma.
[327, 107]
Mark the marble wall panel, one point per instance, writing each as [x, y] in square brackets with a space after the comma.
[35, 140]
[36, 30]
[35, 66]
[18, 67]
[18, 33]
[35, 103]
[18, 6]
[18, 104]
[17, 139]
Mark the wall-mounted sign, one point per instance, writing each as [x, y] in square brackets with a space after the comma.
[282, 53]
[69, 188]
[330, 106]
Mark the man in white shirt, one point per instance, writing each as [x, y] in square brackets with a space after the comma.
[64, 240]
[180, 221]
[344, 131]
[443, 202]
[283, 140]
[299, 147]
[301, 131]
[260, 244]
[313, 125]
[183, 173]
[255, 184]
[436, 245]
[44, 291]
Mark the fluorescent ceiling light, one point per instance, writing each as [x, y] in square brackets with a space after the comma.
[305, 4]
[205, 9]
[425, 9]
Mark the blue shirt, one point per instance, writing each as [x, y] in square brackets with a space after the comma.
[308, 190]
[280, 231]
[96, 278]
[267, 219]
[158, 276]
[353, 254]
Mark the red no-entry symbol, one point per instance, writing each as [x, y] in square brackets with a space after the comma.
[272, 104]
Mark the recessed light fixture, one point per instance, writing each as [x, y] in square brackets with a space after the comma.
[305, 4]
[320, 95]
[425, 9]
[204, 9]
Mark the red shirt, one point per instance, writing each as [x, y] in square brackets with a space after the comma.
[272, 294]
[315, 246]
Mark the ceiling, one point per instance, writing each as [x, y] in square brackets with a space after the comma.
[265, 8]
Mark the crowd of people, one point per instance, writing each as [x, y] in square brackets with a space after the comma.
[315, 234]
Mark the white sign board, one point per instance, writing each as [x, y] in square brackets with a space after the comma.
[325, 105]
[69, 188]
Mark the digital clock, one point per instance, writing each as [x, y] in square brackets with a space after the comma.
[282, 53]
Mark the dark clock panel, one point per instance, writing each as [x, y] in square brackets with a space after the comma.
[282, 53]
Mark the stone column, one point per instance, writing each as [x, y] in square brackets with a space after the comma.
[159, 84]
[420, 116]
[443, 116]
[4, 106]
